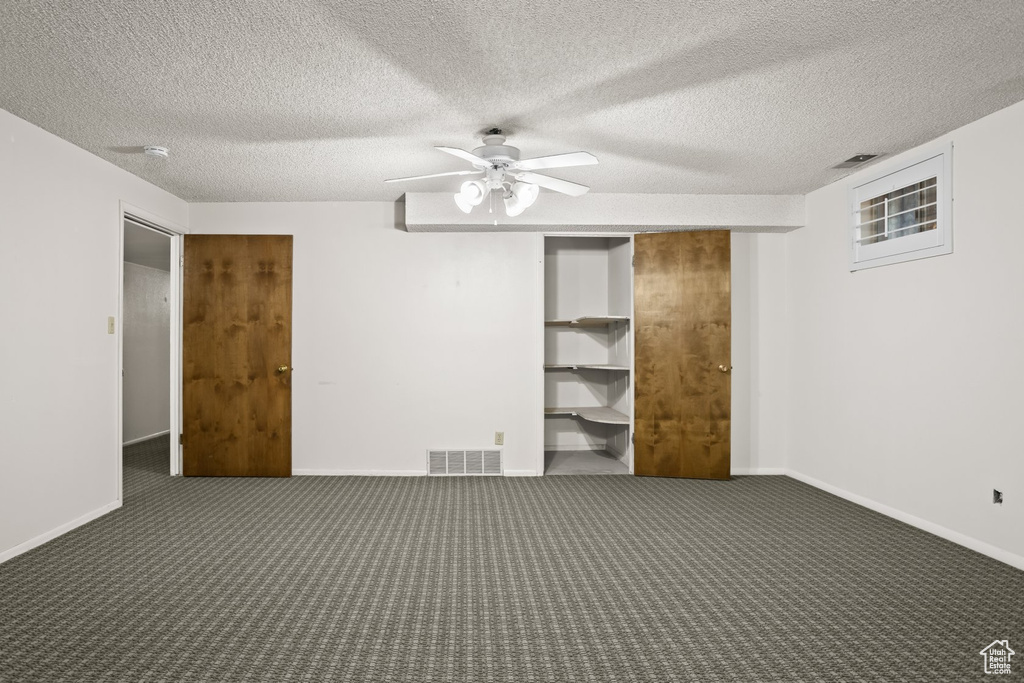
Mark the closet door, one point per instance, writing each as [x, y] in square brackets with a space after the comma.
[236, 353]
[682, 308]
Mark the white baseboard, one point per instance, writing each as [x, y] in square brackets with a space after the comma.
[758, 471]
[59, 531]
[129, 442]
[521, 473]
[391, 473]
[358, 473]
[974, 544]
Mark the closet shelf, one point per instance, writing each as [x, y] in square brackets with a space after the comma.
[586, 366]
[589, 321]
[601, 414]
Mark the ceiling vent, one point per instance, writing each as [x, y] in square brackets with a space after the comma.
[464, 463]
[855, 160]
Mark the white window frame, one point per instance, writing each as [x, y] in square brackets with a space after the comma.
[936, 162]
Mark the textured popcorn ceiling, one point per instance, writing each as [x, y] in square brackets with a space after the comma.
[306, 100]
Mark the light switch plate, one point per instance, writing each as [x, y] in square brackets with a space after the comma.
[110, 325]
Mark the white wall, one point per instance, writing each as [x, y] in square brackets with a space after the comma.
[576, 278]
[742, 357]
[759, 346]
[906, 379]
[401, 341]
[768, 327]
[409, 341]
[60, 227]
[146, 350]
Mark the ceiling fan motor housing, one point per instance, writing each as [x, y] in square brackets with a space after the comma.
[496, 151]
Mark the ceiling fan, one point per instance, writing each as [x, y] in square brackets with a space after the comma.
[503, 170]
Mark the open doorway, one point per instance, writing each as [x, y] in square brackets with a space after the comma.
[146, 317]
[150, 336]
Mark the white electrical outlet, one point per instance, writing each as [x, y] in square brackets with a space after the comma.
[499, 438]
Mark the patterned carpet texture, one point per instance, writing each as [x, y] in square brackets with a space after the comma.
[584, 578]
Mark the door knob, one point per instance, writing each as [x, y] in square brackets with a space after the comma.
[725, 368]
[282, 368]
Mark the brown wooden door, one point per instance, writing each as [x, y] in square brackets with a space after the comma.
[682, 303]
[236, 353]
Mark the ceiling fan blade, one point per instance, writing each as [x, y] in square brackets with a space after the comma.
[466, 156]
[556, 184]
[432, 175]
[557, 161]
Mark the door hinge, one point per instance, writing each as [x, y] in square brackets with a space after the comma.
[181, 439]
[633, 262]
[632, 437]
[181, 262]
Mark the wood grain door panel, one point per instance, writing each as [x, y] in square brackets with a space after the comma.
[237, 311]
[682, 302]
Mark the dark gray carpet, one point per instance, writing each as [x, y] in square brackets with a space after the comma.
[492, 579]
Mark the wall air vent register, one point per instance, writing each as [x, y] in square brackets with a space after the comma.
[482, 462]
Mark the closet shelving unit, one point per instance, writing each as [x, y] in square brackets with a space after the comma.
[599, 414]
[589, 321]
[587, 374]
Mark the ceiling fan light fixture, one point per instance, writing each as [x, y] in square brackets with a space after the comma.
[521, 196]
[504, 171]
[471, 194]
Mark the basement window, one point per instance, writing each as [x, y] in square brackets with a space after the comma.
[903, 214]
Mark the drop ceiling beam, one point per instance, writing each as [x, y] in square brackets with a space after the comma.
[437, 212]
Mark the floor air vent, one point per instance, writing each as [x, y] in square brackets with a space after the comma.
[464, 463]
